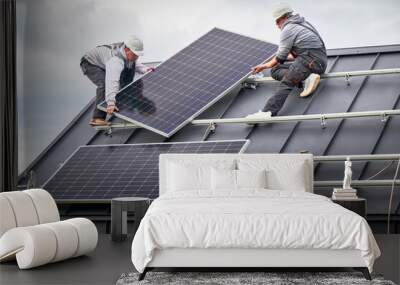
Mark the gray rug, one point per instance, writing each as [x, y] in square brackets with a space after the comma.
[243, 278]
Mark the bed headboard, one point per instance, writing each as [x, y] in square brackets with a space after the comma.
[305, 159]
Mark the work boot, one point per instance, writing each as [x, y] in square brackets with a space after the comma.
[310, 84]
[95, 122]
[259, 115]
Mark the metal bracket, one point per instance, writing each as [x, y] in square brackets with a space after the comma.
[31, 180]
[210, 129]
[323, 122]
[248, 85]
[108, 132]
[347, 78]
[384, 117]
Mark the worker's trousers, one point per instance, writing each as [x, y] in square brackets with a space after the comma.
[291, 75]
[98, 76]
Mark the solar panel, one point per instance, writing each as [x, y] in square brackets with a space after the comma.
[189, 82]
[127, 170]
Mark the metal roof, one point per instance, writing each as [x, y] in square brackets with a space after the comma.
[342, 136]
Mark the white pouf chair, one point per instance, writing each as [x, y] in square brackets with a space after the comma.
[31, 230]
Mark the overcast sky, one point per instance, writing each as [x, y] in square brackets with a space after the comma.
[54, 34]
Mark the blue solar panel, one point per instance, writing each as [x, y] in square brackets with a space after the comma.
[127, 170]
[190, 81]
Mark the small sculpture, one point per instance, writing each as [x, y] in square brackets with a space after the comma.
[347, 174]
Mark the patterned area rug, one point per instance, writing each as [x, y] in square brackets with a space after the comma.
[243, 278]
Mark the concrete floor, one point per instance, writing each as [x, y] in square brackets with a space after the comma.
[103, 266]
[389, 262]
[110, 260]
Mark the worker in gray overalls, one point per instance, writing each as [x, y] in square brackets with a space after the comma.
[300, 59]
[110, 68]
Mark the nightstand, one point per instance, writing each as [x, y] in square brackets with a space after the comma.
[358, 205]
[119, 215]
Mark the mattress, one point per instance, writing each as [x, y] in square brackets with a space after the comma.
[253, 219]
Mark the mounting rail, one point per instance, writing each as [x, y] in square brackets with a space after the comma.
[357, 157]
[297, 118]
[358, 183]
[345, 74]
[383, 114]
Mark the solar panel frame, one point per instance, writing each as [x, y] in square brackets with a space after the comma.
[103, 201]
[201, 110]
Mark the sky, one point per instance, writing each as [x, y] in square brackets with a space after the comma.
[52, 36]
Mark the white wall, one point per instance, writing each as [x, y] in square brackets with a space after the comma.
[54, 34]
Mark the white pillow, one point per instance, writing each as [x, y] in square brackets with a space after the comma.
[189, 175]
[290, 175]
[251, 178]
[223, 179]
[230, 180]
[183, 178]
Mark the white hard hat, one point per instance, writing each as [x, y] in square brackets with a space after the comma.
[281, 9]
[134, 44]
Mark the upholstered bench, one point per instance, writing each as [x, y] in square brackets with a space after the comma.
[31, 230]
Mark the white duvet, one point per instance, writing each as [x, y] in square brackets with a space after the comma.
[250, 219]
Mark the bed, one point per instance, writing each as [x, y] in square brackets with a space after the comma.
[247, 210]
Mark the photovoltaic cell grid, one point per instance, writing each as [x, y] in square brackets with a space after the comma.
[109, 171]
[190, 81]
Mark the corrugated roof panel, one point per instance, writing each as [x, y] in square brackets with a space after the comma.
[145, 136]
[271, 137]
[63, 146]
[389, 142]
[336, 97]
[359, 136]
[248, 101]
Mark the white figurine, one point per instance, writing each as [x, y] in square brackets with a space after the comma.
[347, 174]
